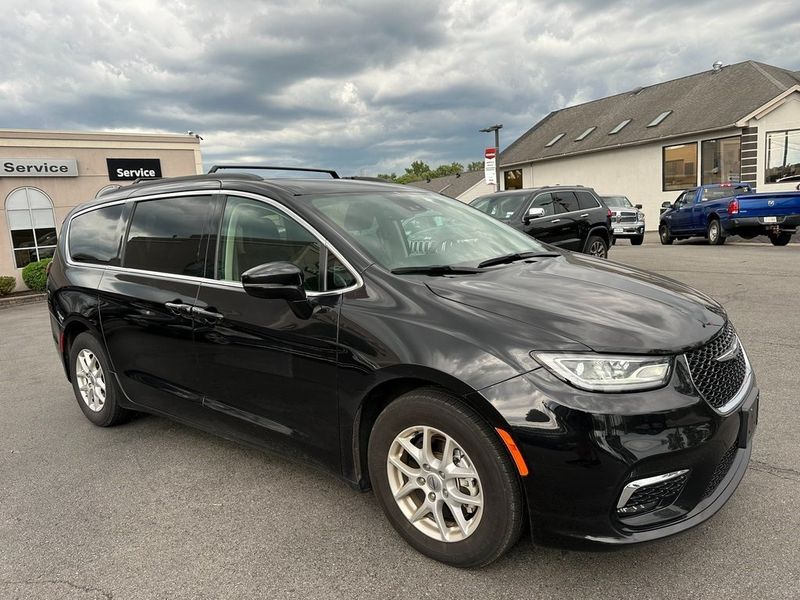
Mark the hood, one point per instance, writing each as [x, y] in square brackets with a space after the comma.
[604, 305]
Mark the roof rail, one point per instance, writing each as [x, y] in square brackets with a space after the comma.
[217, 168]
[141, 179]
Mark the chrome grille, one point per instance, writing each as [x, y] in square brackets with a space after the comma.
[718, 381]
[650, 497]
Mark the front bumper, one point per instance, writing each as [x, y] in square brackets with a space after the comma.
[582, 449]
[627, 230]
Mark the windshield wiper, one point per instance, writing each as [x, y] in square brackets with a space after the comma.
[437, 270]
[509, 258]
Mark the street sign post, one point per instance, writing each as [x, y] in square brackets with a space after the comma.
[490, 166]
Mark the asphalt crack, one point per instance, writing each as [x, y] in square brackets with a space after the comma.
[83, 588]
[781, 472]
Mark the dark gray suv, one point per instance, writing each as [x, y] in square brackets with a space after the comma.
[571, 217]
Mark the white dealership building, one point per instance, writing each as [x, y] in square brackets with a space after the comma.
[44, 174]
[732, 123]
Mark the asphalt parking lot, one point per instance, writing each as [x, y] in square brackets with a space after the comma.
[152, 509]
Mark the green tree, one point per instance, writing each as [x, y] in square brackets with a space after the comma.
[451, 169]
[475, 166]
[387, 176]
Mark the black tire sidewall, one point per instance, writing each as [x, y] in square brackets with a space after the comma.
[109, 413]
[591, 241]
[502, 513]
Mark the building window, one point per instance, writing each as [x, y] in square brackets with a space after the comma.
[680, 167]
[783, 156]
[721, 160]
[512, 179]
[32, 225]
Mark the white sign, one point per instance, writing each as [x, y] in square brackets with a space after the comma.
[38, 167]
[489, 166]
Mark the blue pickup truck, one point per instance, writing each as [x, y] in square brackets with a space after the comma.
[718, 210]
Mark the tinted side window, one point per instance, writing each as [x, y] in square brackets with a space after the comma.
[166, 235]
[586, 200]
[544, 201]
[95, 236]
[338, 275]
[254, 233]
[567, 201]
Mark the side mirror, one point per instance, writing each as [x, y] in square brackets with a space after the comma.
[275, 280]
[639, 206]
[665, 206]
[533, 213]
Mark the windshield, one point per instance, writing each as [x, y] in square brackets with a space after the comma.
[617, 201]
[420, 229]
[500, 207]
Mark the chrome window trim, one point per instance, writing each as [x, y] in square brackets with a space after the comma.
[739, 396]
[204, 280]
[630, 488]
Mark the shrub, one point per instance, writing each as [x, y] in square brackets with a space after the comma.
[35, 275]
[7, 285]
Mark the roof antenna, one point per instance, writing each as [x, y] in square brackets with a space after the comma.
[717, 66]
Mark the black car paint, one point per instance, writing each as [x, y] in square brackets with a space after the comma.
[329, 375]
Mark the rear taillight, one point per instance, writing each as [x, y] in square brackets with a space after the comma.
[610, 214]
[733, 207]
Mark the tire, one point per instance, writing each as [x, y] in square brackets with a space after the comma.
[637, 240]
[94, 384]
[664, 235]
[492, 527]
[597, 246]
[715, 235]
[781, 239]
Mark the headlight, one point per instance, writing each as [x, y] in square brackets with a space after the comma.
[606, 373]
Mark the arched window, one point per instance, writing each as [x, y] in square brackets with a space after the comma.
[29, 213]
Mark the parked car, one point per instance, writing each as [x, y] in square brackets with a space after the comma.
[570, 217]
[472, 376]
[719, 210]
[627, 220]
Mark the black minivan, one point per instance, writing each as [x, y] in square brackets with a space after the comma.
[475, 379]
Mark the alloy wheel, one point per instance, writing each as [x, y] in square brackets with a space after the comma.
[435, 484]
[91, 380]
[598, 248]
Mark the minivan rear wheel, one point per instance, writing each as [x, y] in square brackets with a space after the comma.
[94, 385]
[444, 479]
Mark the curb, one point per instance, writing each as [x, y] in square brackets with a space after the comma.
[22, 300]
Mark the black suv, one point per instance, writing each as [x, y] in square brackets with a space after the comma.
[411, 344]
[571, 217]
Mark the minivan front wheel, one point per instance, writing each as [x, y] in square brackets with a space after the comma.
[94, 385]
[444, 479]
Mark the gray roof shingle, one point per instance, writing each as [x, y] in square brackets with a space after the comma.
[701, 102]
[450, 185]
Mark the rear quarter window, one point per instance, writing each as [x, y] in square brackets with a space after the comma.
[95, 236]
[586, 200]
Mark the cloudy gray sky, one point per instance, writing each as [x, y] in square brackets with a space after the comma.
[363, 86]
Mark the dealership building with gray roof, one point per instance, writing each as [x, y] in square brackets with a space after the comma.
[733, 123]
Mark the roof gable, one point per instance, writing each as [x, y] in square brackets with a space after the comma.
[450, 185]
[705, 101]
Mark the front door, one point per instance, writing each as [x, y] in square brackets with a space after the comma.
[553, 227]
[268, 372]
[682, 218]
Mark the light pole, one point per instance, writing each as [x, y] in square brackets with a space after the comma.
[496, 129]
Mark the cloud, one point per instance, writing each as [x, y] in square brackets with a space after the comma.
[363, 85]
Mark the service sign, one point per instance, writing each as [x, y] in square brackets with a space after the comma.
[38, 167]
[489, 166]
[128, 169]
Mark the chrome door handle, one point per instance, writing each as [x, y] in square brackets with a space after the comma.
[555, 220]
[178, 308]
[207, 314]
[584, 215]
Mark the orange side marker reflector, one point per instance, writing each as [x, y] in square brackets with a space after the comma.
[515, 453]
